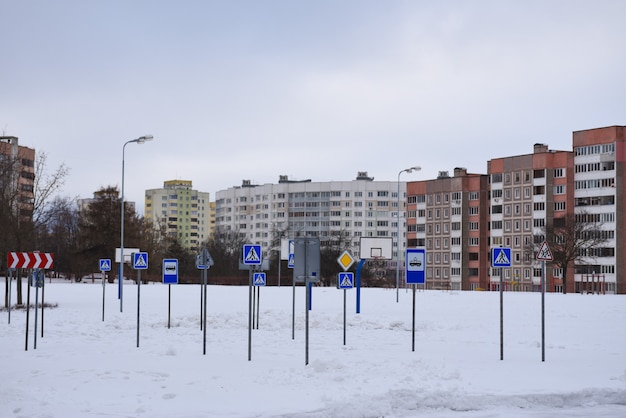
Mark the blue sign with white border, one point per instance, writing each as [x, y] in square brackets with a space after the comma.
[258, 279]
[345, 280]
[290, 259]
[252, 255]
[105, 264]
[170, 271]
[415, 266]
[500, 257]
[140, 261]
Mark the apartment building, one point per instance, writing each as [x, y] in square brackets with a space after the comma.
[17, 170]
[448, 216]
[460, 219]
[107, 193]
[528, 193]
[338, 212]
[181, 211]
[599, 164]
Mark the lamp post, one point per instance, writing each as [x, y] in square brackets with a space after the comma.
[139, 140]
[406, 170]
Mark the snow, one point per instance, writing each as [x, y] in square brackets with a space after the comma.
[86, 367]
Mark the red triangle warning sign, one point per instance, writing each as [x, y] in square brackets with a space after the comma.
[544, 253]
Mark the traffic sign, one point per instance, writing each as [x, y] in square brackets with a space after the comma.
[140, 261]
[252, 255]
[290, 258]
[544, 254]
[291, 261]
[415, 266]
[345, 280]
[500, 257]
[345, 260]
[170, 271]
[105, 264]
[204, 261]
[259, 279]
[34, 260]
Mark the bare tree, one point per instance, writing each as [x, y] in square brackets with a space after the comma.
[572, 239]
[46, 185]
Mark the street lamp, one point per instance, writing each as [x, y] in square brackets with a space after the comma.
[406, 170]
[139, 140]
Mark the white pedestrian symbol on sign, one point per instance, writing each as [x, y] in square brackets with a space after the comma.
[252, 256]
[259, 279]
[346, 282]
[502, 258]
[140, 261]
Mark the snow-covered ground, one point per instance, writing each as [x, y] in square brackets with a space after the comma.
[86, 367]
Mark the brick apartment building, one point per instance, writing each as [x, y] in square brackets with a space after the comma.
[459, 219]
[18, 167]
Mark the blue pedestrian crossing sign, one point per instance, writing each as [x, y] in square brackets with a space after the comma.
[345, 280]
[252, 255]
[500, 257]
[140, 261]
[259, 279]
[290, 263]
[105, 264]
[290, 260]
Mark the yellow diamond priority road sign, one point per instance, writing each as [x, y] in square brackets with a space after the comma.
[345, 260]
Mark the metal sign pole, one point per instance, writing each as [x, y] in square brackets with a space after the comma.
[43, 289]
[250, 314]
[204, 314]
[10, 278]
[34, 276]
[413, 332]
[169, 304]
[27, 308]
[501, 319]
[253, 305]
[306, 335]
[543, 311]
[103, 292]
[138, 301]
[293, 308]
[258, 306]
[344, 316]
[201, 300]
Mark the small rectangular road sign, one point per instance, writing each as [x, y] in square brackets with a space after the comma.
[105, 264]
[259, 279]
[345, 280]
[140, 261]
[415, 266]
[170, 271]
[500, 257]
[252, 255]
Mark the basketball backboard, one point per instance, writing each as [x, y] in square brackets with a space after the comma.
[379, 248]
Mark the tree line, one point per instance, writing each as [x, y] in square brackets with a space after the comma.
[79, 237]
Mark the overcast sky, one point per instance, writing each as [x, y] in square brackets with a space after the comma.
[319, 90]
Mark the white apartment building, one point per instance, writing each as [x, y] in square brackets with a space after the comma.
[338, 212]
[599, 156]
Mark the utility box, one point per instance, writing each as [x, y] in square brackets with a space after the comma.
[306, 254]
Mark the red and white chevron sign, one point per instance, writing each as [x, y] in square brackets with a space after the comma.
[30, 260]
